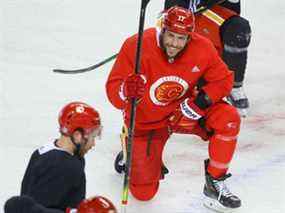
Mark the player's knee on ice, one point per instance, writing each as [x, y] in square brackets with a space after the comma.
[144, 192]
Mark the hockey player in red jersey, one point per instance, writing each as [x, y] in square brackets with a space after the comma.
[230, 33]
[173, 60]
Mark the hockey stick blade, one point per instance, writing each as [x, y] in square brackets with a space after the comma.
[87, 69]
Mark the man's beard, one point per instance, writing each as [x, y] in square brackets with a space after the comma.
[163, 48]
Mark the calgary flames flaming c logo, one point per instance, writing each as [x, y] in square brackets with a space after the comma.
[167, 89]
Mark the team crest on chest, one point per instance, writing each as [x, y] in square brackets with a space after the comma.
[167, 89]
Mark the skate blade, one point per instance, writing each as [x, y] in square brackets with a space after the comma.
[215, 205]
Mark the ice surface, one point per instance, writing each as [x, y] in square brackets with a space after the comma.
[37, 36]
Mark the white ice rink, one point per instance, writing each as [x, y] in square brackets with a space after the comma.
[37, 36]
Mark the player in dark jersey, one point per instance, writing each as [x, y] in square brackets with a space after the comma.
[55, 176]
[220, 21]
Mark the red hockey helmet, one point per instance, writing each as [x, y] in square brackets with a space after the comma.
[97, 204]
[78, 115]
[179, 20]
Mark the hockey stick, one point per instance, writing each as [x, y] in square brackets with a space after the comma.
[87, 69]
[125, 193]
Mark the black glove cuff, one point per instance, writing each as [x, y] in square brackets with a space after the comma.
[202, 100]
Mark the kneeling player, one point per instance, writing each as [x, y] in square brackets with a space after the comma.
[230, 33]
[174, 59]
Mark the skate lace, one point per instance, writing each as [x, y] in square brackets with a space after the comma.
[238, 93]
[221, 187]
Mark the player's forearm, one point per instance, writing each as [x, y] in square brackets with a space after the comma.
[216, 90]
[122, 68]
[115, 93]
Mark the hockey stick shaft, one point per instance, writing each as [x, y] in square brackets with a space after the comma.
[87, 69]
[125, 193]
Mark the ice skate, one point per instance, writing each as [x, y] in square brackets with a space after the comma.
[217, 195]
[119, 165]
[164, 171]
[238, 99]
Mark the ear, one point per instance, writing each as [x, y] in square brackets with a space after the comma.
[77, 135]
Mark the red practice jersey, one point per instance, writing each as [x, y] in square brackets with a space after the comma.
[168, 83]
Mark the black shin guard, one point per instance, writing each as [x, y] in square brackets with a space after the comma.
[237, 63]
[236, 33]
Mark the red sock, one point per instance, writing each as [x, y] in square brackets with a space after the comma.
[221, 150]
